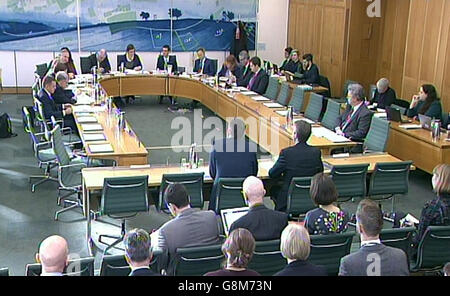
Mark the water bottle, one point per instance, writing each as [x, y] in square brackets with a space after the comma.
[122, 120]
[193, 157]
[289, 117]
[94, 74]
[436, 129]
[122, 68]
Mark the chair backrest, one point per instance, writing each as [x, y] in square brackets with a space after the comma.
[122, 196]
[390, 178]
[77, 267]
[58, 146]
[433, 250]
[41, 70]
[323, 81]
[400, 238]
[272, 88]
[119, 58]
[267, 259]
[327, 250]
[283, 96]
[117, 265]
[229, 194]
[402, 103]
[299, 200]
[4, 271]
[215, 65]
[297, 99]
[196, 261]
[350, 180]
[28, 127]
[181, 69]
[331, 114]
[378, 135]
[400, 108]
[193, 183]
[314, 107]
[85, 65]
[445, 119]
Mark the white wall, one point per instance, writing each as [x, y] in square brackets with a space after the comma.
[272, 29]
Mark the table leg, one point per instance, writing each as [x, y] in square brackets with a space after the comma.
[86, 200]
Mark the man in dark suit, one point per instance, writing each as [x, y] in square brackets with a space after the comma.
[263, 223]
[50, 108]
[164, 60]
[309, 73]
[373, 258]
[246, 75]
[384, 95]
[101, 61]
[232, 157]
[61, 95]
[203, 65]
[300, 160]
[259, 79]
[138, 252]
[354, 123]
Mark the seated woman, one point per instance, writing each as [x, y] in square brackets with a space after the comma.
[130, 60]
[294, 63]
[287, 55]
[426, 103]
[327, 218]
[231, 69]
[437, 211]
[238, 250]
[70, 64]
[295, 246]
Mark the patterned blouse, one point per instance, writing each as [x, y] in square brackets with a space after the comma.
[319, 221]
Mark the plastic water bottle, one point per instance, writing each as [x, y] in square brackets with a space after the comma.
[193, 157]
[436, 129]
[289, 117]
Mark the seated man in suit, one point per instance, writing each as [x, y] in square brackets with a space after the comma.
[373, 258]
[300, 160]
[138, 252]
[101, 61]
[354, 123]
[232, 157]
[246, 73]
[263, 223]
[309, 73]
[189, 228]
[384, 95]
[164, 60]
[52, 109]
[259, 79]
[203, 65]
[53, 255]
[61, 95]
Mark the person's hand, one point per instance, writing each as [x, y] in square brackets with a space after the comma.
[71, 76]
[137, 68]
[339, 131]
[415, 101]
[101, 70]
[68, 111]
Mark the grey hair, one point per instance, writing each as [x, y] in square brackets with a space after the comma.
[383, 83]
[295, 243]
[62, 76]
[244, 55]
[357, 90]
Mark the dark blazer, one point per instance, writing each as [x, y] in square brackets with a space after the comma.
[61, 96]
[385, 99]
[302, 268]
[293, 67]
[136, 62]
[208, 67]
[434, 111]
[49, 106]
[246, 74]
[237, 72]
[263, 223]
[310, 76]
[392, 262]
[103, 64]
[300, 160]
[172, 61]
[143, 272]
[359, 125]
[260, 83]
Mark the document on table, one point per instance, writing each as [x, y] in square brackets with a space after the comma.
[84, 99]
[82, 109]
[249, 93]
[100, 148]
[91, 127]
[410, 126]
[322, 132]
[273, 105]
[94, 137]
[87, 119]
[260, 98]
[266, 164]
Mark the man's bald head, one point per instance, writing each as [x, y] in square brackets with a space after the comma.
[254, 190]
[53, 254]
[101, 54]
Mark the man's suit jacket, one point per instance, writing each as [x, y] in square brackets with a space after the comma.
[385, 99]
[246, 75]
[49, 106]
[61, 96]
[376, 259]
[143, 272]
[260, 82]
[172, 61]
[302, 268]
[208, 67]
[311, 76]
[237, 72]
[300, 160]
[103, 64]
[263, 223]
[359, 125]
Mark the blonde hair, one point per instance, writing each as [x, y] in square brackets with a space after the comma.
[442, 171]
[295, 242]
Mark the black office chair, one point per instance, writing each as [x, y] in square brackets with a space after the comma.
[77, 267]
[196, 261]
[117, 265]
[4, 271]
[215, 63]
[85, 65]
[267, 259]
[323, 81]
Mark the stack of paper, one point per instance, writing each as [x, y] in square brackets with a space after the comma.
[84, 99]
[260, 98]
[273, 105]
[410, 126]
[100, 148]
[82, 109]
[87, 119]
[91, 127]
[322, 132]
[249, 93]
[94, 137]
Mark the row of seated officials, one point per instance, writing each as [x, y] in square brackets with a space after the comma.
[192, 227]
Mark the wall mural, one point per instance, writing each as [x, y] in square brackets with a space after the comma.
[47, 25]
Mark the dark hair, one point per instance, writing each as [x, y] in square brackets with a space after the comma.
[130, 47]
[201, 49]
[61, 67]
[232, 60]
[303, 130]
[256, 61]
[70, 53]
[431, 92]
[370, 217]
[308, 57]
[176, 194]
[288, 49]
[137, 245]
[48, 79]
[323, 191]
[239, 247]
[166, 46]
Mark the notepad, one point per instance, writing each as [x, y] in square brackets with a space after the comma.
[249, 93]
[322, 132]
[91, 127]
[82, 109]
[341, 155]
[94, 137]
[84, 99]
[273, 105]
[87, 119]
[100, 148]
[260, 98]
[410, 126]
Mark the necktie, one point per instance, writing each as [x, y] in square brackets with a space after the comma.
[252, 81]
[348, 120]
[203, 64]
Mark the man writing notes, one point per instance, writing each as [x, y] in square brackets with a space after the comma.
[259, 79]
[203, 65]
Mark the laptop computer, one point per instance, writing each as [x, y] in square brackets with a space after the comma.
[231, 215]
[394, 114]
[425, 122]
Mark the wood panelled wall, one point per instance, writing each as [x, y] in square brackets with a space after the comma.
[409, 44]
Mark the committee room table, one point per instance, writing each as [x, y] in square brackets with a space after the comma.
[270, 130]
